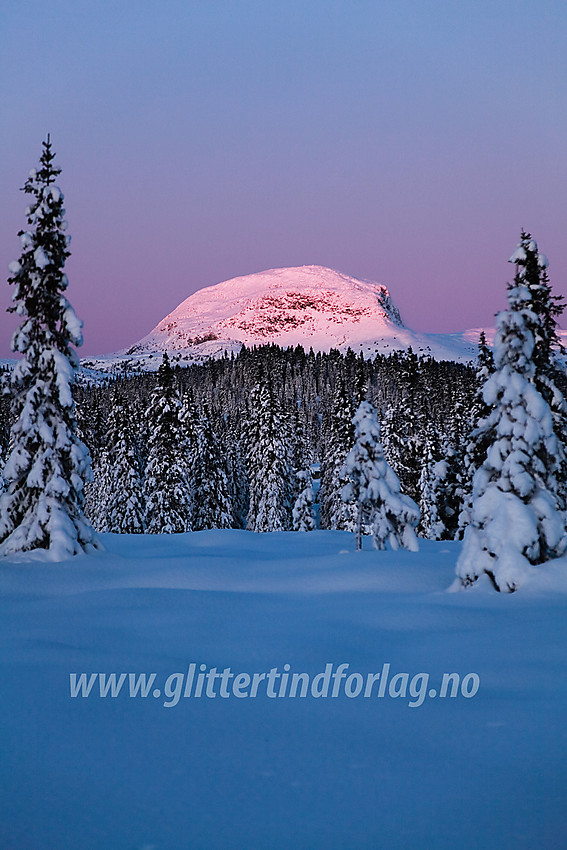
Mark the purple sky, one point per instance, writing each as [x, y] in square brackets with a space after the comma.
[406, 142]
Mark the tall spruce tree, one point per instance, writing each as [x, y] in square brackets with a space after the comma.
[335, 513]
[477, 441]
[448, 475]
[48, 465]
[189, 419]
[515, 516]
[374, 488]
[267, 463]
[403, 425]
[531, 272]
[166, 485]
[431, 487]
[236, 471]
[211, 503]
[119, 494]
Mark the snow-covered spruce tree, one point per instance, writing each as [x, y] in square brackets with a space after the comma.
[476, 444]
[300, 455]
[449, 486]
[335, 513]
[120, 507]
[189, 419]
[431, 487]
[211, 504]
[48, 464]
[454, 438]
[4, 423]
[303, 519]
[375, 488]
[515, 518]
[267, 463]
[303, 514]
[531, 272]
[166, 483]
[236, 472]
[97, 493]
[404, 423]
[4, 426]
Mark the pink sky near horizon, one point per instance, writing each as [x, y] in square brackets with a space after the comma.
[405, 143]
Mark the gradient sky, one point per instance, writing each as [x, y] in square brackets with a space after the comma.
[404, 141]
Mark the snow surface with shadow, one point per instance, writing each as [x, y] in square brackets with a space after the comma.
[131, 774]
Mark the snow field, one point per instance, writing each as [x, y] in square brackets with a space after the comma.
[278, 773]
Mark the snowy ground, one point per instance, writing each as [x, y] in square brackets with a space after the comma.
[128, 773]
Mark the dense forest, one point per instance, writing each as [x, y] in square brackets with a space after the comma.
[234, 442]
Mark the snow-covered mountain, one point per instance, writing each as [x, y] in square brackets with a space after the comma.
[307, 305]
[310, 306]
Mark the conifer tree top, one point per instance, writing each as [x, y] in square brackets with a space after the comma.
[531, 272]
[47, 173]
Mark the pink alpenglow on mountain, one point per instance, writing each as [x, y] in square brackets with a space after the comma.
[311, 306]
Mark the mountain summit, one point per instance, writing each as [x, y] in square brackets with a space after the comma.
[311, 306]
[306, 305]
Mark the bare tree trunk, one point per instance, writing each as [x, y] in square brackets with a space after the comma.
[359, 529]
